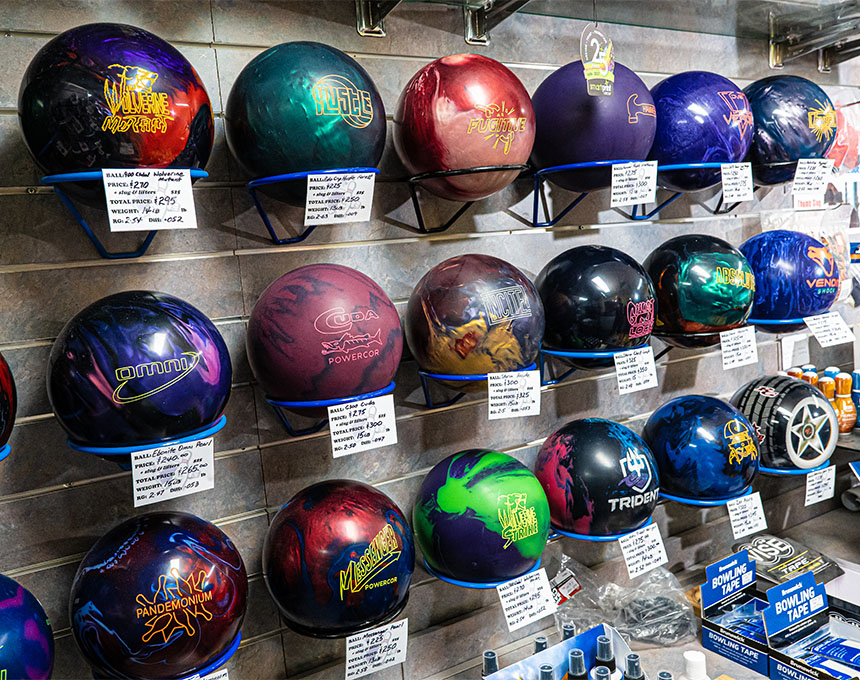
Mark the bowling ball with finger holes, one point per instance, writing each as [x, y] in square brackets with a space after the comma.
[8, 402]
[26, 637]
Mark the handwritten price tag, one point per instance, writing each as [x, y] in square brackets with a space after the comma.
[346, 197]
[172, 471]
[810, 182]
[746, 515]
[362, 425]
[643, 550]
[633, 183]
[829, 329]
[514, 394]
[220, 674]
[635, 370]
[526, 599]
[820, 485]
[149, 199]
[376, 649]
[738, 347]
[737, 182]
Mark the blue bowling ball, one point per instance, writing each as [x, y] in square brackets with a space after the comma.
[26, 638]
[705, 448]
[701, 117]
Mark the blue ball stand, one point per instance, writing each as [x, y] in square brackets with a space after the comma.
[710, 503]
[96, 176]
[425, 377]
[772, 325]
[598, 539]
[479, 585]
[792, 472]
[574, 354]
[279, 407]
[253, 185]
[5, 450]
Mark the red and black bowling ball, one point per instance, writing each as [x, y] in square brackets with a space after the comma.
[8, 404]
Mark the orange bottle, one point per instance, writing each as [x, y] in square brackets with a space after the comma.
[846, 412]
[827, 385]
[795, 371]
[812, 378]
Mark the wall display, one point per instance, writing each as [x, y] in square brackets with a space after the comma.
[8, 405]
[481, 517]
[472, 315]
[574, 127]
[26, 636]
[701, 117]
[705, 448]
[794, 118]
[795, 275]
[338, 559]
[113, 96]
[161, 595]
[599, 477]
[596, 298]
[704, 286]
[795, 425]
[464, 111]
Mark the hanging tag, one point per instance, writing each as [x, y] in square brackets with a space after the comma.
[375, 649]
[598, 61]
[144, 199]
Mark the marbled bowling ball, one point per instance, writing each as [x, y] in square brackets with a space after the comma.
[464, 111]
[481, 516]
[596, 298]
[303, 106]
[574, 127]
[705, 448]
[702, 117]
[795, 276]
[26, 637]
[8, 402]
[599, 477]
[138, 367]
[323, 331]
[161, 595]
[703, 285]
[338, 558]
[794, 118]
[113, 96]
[471, 315]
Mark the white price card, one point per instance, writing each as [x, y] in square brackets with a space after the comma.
[855, 468]
[794, 350]
[737, 182]
[738, 347]
[633, 183]
[362, 425]
[820, 485]
[376, 649]
[345, 197]
[635, 370]
[172, 471]
[146, 199]
[810, 182]
[514, 394]
[643, 550]
[829, 329]
[746, 515]
[220, 674]
[526, 599]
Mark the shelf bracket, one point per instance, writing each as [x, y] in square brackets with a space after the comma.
[370, 14]
[823, 30]
[480, 20]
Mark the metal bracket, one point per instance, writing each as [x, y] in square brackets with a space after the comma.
[480, 20]
[369, 15]
[825, 30]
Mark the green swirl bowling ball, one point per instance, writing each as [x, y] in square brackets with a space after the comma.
[303, 106]
[481, 516]
[704, 286]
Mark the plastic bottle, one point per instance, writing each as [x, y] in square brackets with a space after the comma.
[634, 668]
[695, 666]
[794, 372]
[540, 643]
[808, 367]
[828, 388]
[855, 389]
[568, 630]
[601, 673]
[846, 412]
[811, 377]
[491, 663]
[546, 672]
[576, 665]
[831, 371]
[664, 675]
[606, 658]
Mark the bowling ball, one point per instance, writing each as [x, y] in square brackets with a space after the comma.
[599, 477]
[138, 368]
[338, 558]
[323, 331]
[795, 276]
[794, 118]
[161, 595]
[26, 638]
[113, 96]
[705, 448]
[471, 315]
[704, 286]
[595, 298]
[303, 106]
[481, 516]
[795, 425]
[702, 117]
[8, 402]
[464, 111]
[574, 127]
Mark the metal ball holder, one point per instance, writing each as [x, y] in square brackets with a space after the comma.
[575, 354]
[792, 472]
[426, 376]
[476, 585]
[5, 450]
[608, 538]
[709, 503]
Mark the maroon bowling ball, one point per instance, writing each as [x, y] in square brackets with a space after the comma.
[8, 403]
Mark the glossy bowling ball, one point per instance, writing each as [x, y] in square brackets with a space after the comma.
[464, 111]
[113, 96]
[574, 127]
[595, 298]
[704, 286]
[794, 118]
[702, 117]
[138, 368]
[323, 331]
[705, 448]
[599, 477]
[338, 558]
[471, 315]
[795, 425]
[161, 595]
[26, 637]
[795, 275]
[8, 404]
[303, 106]
[481, 517]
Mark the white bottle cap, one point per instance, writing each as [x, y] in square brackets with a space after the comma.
[695, 665]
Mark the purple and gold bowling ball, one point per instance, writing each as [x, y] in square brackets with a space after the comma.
[8, 403]
[338, 558]
[26, 637]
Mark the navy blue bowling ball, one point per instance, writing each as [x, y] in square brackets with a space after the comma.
[26, 638]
